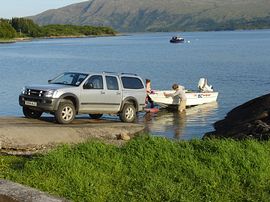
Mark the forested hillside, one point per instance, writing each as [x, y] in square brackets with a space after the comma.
[23, 27]
[161, 15]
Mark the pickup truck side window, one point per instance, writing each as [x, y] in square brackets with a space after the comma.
[112, 83]
[94, 82]
[132, 83]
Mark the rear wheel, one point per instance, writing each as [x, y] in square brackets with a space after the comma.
[30, 113]
[128, 114]
[65, 112]
[95, 116]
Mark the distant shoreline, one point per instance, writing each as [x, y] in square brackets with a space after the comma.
[27, 39]
[7, 41]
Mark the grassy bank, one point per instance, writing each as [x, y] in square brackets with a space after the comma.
[149, 169]
[7, 40]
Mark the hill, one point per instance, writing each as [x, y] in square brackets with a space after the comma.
[160, 15]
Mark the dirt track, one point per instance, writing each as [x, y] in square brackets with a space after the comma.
[20, 135]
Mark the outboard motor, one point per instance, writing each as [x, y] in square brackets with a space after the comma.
[203, 85]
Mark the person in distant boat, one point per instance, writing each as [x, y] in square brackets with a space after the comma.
[149, 91]
[179, 96]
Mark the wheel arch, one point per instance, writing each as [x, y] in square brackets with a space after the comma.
[69, 96]
[130, 100]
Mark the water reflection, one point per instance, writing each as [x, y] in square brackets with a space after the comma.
[181, 125]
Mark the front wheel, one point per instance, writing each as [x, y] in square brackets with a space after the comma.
[65, 112]
[128, 114]
[30, 113]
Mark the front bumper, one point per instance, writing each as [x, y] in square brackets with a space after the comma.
[39, 103]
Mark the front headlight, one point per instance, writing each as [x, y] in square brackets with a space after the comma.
[23, 91]
[50, 93]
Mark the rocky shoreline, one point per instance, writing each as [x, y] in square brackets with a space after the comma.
[250, 120]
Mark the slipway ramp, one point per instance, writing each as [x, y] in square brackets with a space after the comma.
[22, 136]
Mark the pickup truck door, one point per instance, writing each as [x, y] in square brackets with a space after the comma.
[92, 95]
[98, 96]
[113, 93]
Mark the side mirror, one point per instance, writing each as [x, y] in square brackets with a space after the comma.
[49, 81]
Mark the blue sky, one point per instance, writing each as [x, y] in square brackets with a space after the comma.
[22, 8]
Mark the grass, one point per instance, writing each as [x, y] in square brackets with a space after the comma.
[149, 169]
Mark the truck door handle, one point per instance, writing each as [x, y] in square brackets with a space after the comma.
[102, 92]
[118, 93]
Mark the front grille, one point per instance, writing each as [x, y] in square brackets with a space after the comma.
[35, 93]
[33, 99]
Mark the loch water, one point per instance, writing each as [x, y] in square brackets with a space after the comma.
[236, 63]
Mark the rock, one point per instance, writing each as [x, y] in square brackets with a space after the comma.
[249, 120]
[14, 192]
[123, 136]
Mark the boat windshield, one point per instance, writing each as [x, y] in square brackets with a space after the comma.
[69, 78]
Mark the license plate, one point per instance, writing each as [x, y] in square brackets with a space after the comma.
[30, 103]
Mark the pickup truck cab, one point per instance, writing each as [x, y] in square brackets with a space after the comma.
[73, 93]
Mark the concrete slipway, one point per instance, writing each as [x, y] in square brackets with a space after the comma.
[20, 135]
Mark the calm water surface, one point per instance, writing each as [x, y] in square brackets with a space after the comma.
[236, 63]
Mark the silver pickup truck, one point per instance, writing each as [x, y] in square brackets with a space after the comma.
[73, 93]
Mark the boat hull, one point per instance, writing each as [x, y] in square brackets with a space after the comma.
[177, 41]
[193, 98]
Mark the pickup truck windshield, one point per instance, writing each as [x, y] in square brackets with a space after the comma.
[69, 78]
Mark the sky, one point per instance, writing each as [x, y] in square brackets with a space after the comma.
[22, 8]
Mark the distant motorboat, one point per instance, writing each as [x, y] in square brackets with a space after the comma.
[177, 39]
[204, 95]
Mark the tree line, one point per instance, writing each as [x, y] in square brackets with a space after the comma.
[6, 30]
[22, 27]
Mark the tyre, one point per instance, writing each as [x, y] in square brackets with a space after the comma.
[65, 112]
[128, 114]
[95, 116]
[30, 113]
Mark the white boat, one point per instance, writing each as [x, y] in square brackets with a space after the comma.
[193, 98]
[204, 95]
